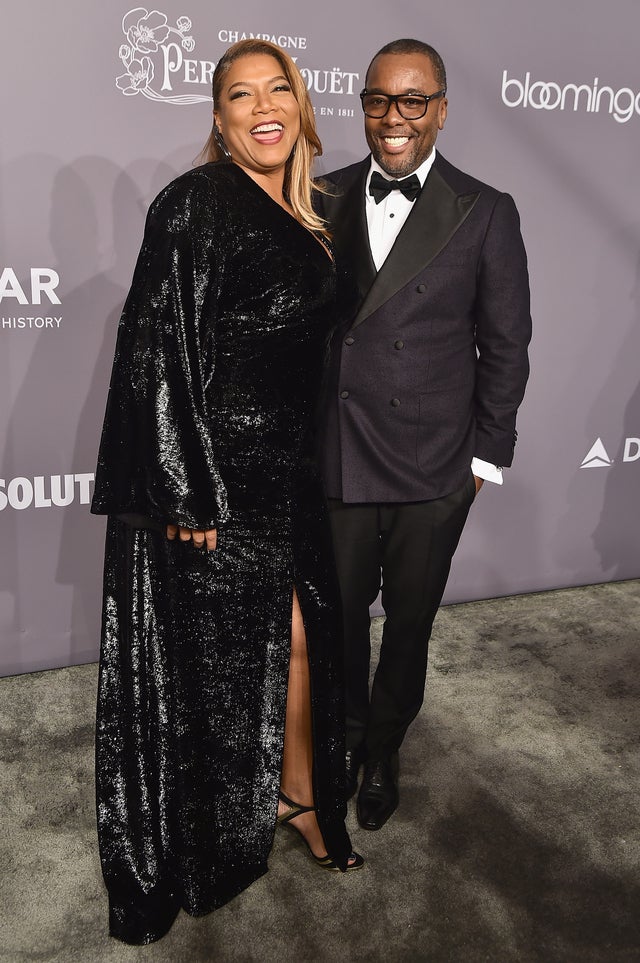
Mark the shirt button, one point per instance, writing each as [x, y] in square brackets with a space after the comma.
[399, 345]
[349, 340]
[421, 288]
[395, 402]
[344, 394]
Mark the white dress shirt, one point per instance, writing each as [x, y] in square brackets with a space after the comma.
[384, 222]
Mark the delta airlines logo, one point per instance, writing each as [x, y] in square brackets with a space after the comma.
[597, 456]
[156, 61]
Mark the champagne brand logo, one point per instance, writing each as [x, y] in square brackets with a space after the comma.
[40, 289]
[622, 104]
[148, 36]
[597, 456]
[44, 491]
[156, 62]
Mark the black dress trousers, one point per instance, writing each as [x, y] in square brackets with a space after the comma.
[407, 548]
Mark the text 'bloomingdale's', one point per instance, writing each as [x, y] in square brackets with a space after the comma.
[548, 95]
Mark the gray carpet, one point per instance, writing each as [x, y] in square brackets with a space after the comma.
[517, 836]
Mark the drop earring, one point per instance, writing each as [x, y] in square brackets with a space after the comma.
[220, 142]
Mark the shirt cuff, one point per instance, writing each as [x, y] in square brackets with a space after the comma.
[484, 469]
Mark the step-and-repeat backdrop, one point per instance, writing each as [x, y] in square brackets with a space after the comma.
[103, 104]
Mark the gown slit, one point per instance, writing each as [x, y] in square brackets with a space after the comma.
[299, 762]
[298, 777]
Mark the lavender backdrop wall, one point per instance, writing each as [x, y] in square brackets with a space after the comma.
[102, 104]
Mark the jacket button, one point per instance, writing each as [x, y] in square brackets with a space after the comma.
[349, 340]
[395, 402]
[421, 288]
[399, 345]
[344, 394]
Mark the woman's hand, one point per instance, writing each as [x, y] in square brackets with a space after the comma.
[199, 538]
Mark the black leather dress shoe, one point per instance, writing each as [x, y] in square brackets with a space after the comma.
[378, 797]
[353, 760]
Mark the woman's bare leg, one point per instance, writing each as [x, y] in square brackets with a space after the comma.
[297, 764]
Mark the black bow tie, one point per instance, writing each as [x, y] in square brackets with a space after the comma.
[379, 186]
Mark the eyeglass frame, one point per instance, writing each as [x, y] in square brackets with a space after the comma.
[394, 98]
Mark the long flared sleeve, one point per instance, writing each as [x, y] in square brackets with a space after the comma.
[157, 451]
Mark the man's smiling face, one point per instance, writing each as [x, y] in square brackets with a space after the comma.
[398, 145]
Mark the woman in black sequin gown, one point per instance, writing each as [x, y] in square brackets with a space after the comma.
[221, 643]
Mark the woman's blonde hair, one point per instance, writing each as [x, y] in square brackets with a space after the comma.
[298, 184]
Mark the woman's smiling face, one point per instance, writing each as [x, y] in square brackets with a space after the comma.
[258, 114]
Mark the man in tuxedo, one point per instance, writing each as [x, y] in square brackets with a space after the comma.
[425, 379]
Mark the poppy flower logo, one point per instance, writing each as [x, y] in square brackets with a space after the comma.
[148, 34]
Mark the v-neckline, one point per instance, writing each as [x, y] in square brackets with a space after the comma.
[288, 214]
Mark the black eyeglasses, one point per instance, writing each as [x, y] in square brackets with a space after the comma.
[409, 106]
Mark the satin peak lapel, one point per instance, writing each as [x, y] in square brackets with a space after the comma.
[349, 225]
[437, 214]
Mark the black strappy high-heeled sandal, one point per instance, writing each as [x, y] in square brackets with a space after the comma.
[325, 862]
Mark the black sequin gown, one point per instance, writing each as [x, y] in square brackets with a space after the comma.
[209, 424]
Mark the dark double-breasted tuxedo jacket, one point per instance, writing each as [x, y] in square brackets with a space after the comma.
[429, 369]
